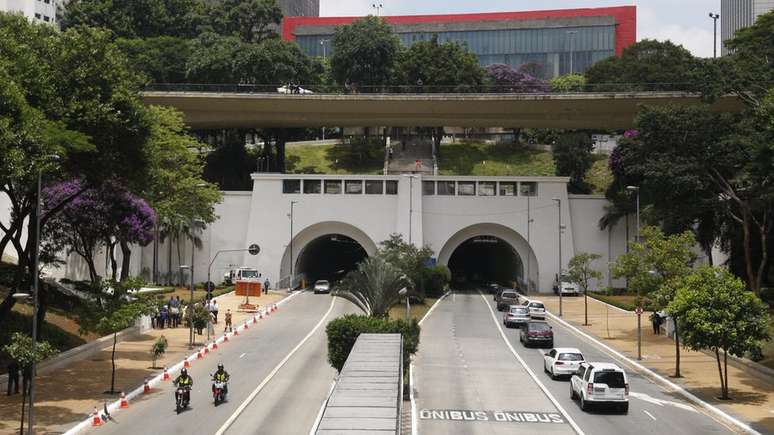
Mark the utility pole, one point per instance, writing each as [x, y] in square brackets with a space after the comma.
[411, 178]
[290, 245]
[636, 191]
[715, 18]
[529, 253]
[559, 275]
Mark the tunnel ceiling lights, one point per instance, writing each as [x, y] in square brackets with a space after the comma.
[486, 239]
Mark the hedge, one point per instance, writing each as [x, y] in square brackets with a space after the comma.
[343, 332]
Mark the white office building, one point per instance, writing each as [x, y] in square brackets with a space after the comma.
[738, 14]
[44, 11]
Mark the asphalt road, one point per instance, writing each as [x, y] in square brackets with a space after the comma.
[465, 364]
[288, 403]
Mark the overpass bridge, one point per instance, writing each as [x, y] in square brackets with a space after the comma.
[233, 108]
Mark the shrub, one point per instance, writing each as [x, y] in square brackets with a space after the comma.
[767, 294]
[158, 349]
[343, 332]
[436, 280]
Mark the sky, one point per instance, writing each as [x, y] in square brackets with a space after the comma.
[684, 22]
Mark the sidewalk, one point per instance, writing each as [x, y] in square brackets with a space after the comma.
[752, 392]
[67, 396]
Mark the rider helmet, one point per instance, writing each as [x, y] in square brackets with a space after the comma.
[220, 366]
[184, 372]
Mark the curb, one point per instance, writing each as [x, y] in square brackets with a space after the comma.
[157, 380]
[744, 363]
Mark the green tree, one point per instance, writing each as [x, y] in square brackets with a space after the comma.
[158, 349]
[717, 313]
[373, 286]
[20, 349]
[249, 20]
[572, 157]
[113, 311]
[654, 266]
[161, 59]
[440, 67]
[568, 83]
[364, 53]
[581, 272]
[647, 65]
[410, 260]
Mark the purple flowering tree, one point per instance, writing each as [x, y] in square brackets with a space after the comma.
[107, 216]
[507, 79]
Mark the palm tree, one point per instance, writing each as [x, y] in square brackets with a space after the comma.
[374, 286]
[178, 228]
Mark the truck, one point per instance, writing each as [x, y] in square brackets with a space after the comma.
[564, 284]
[241, 274]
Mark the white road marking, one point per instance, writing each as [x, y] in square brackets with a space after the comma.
[273, 373]
[240, 356]
[649, 415]
[661, 402]
[411, 371]
[322, 410]
[548, 394]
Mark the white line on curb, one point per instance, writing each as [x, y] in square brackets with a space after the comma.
[273, 373]
[115, 406]
[713, 409]
[433, 307]
[322, 410]
[548, 394]
[649, 415]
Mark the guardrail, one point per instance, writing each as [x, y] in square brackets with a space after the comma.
[368, 396]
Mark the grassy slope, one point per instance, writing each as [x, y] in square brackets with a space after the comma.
[334, 159]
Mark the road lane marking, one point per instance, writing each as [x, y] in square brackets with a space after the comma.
[661, 402]
[433, 307]
[534, 377]
[713, 410]
[241, 356]
[322, 410]
[273, 373]
[467, 415]
[649, 415]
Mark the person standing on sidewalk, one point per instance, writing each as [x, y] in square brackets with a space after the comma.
[266, 286]
[174, 312]
[215, 309]
[13, 377]
[228, 321]
[655, 318]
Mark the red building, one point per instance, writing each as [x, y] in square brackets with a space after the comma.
[547, 40]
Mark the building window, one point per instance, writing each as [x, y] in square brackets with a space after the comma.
[333, 187]
[312, 186]
[374, 187]
[487, 188]
[528, 189]
[291, 186]
[466, 188]
[446, 188]
[354, 187]
[391, 187]
[507, 189]
[46, 18]
[37, 16]
[428, 188]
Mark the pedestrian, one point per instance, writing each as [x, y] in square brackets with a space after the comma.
[13, 377]
[26, 377]
[164, 314]
[210, 327]
[266, 286]
[174, 313]
[228, 321]
[179, 316]
[655, 318]
[215, 310]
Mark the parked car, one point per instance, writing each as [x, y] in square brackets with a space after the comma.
[536, 309]
[322, 286]
[516, 315]
[494, 288]
[506, 299]
[598, 383]
[565, 285]
[562, 361]
[539, 333]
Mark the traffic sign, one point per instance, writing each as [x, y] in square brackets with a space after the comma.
[254, 249]
[209, 286]
[638, 311]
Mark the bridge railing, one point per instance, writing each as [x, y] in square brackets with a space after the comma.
[521, 88]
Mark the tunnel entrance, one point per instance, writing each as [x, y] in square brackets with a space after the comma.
[483, 260]
[329, 257]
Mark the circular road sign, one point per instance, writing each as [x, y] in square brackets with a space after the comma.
[638, 310]
[254, 249]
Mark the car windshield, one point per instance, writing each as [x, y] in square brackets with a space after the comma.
[566, 278]
[519, 310]
[539, 326]
[536, 305]
[322, 282]
[570, 357]
[613, 379]
[249, 274]
[509, 295]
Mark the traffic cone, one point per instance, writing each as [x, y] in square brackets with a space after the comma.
[225, 338]
[276, 307]
[246, 327]
[214, 345]
[166, 375]
[186, 364]
[96, 419]
[206, 349]
[236, 331]
[124, 402]
[146, 389]
[255, 320]
[199, 355]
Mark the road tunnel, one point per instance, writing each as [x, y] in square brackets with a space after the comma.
[482, 260]
[329, 257]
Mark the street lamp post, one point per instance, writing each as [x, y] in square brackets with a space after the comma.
[322, 44]
[572, 34]
[638, 310]
[290, 244]
[559, 275]
[194, 222]
[529, 255]
[411, 178]
[404, 293]
[715, 18]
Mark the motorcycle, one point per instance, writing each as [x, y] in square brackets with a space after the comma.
[182, 398]
[219, 391]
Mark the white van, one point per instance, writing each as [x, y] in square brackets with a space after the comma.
[566, 286]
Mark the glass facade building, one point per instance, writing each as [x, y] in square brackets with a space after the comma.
[738, 14]
[552, 43]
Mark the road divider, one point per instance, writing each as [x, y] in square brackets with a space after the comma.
[148, 384]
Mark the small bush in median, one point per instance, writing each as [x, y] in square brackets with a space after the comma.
[343, 332]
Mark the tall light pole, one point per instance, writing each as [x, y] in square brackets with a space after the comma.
[290, 244]
[411, 178]
[638, 310]
[322, 44]
[715, 18]
[194, 222]
[571, 34]
[559, 275]
[378, 7]
[529, 254]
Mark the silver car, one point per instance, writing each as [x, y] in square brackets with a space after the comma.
[322, 286]
[516, 315]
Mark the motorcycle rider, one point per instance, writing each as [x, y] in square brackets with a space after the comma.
[221, 376]
[184, 380]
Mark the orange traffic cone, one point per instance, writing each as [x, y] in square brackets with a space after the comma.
[225, 338]
[214, 345]
[255, 320]
[199, 355]
[246, 327]
[124, 402]
[96, 419]
[187, 364]
[166, 375]
[146, 389]
[206, 349]
[236, 331]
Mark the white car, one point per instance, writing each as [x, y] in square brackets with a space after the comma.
[598, 383]
[322, 286]
[566, 287]
[536, 309]
[562, 361]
